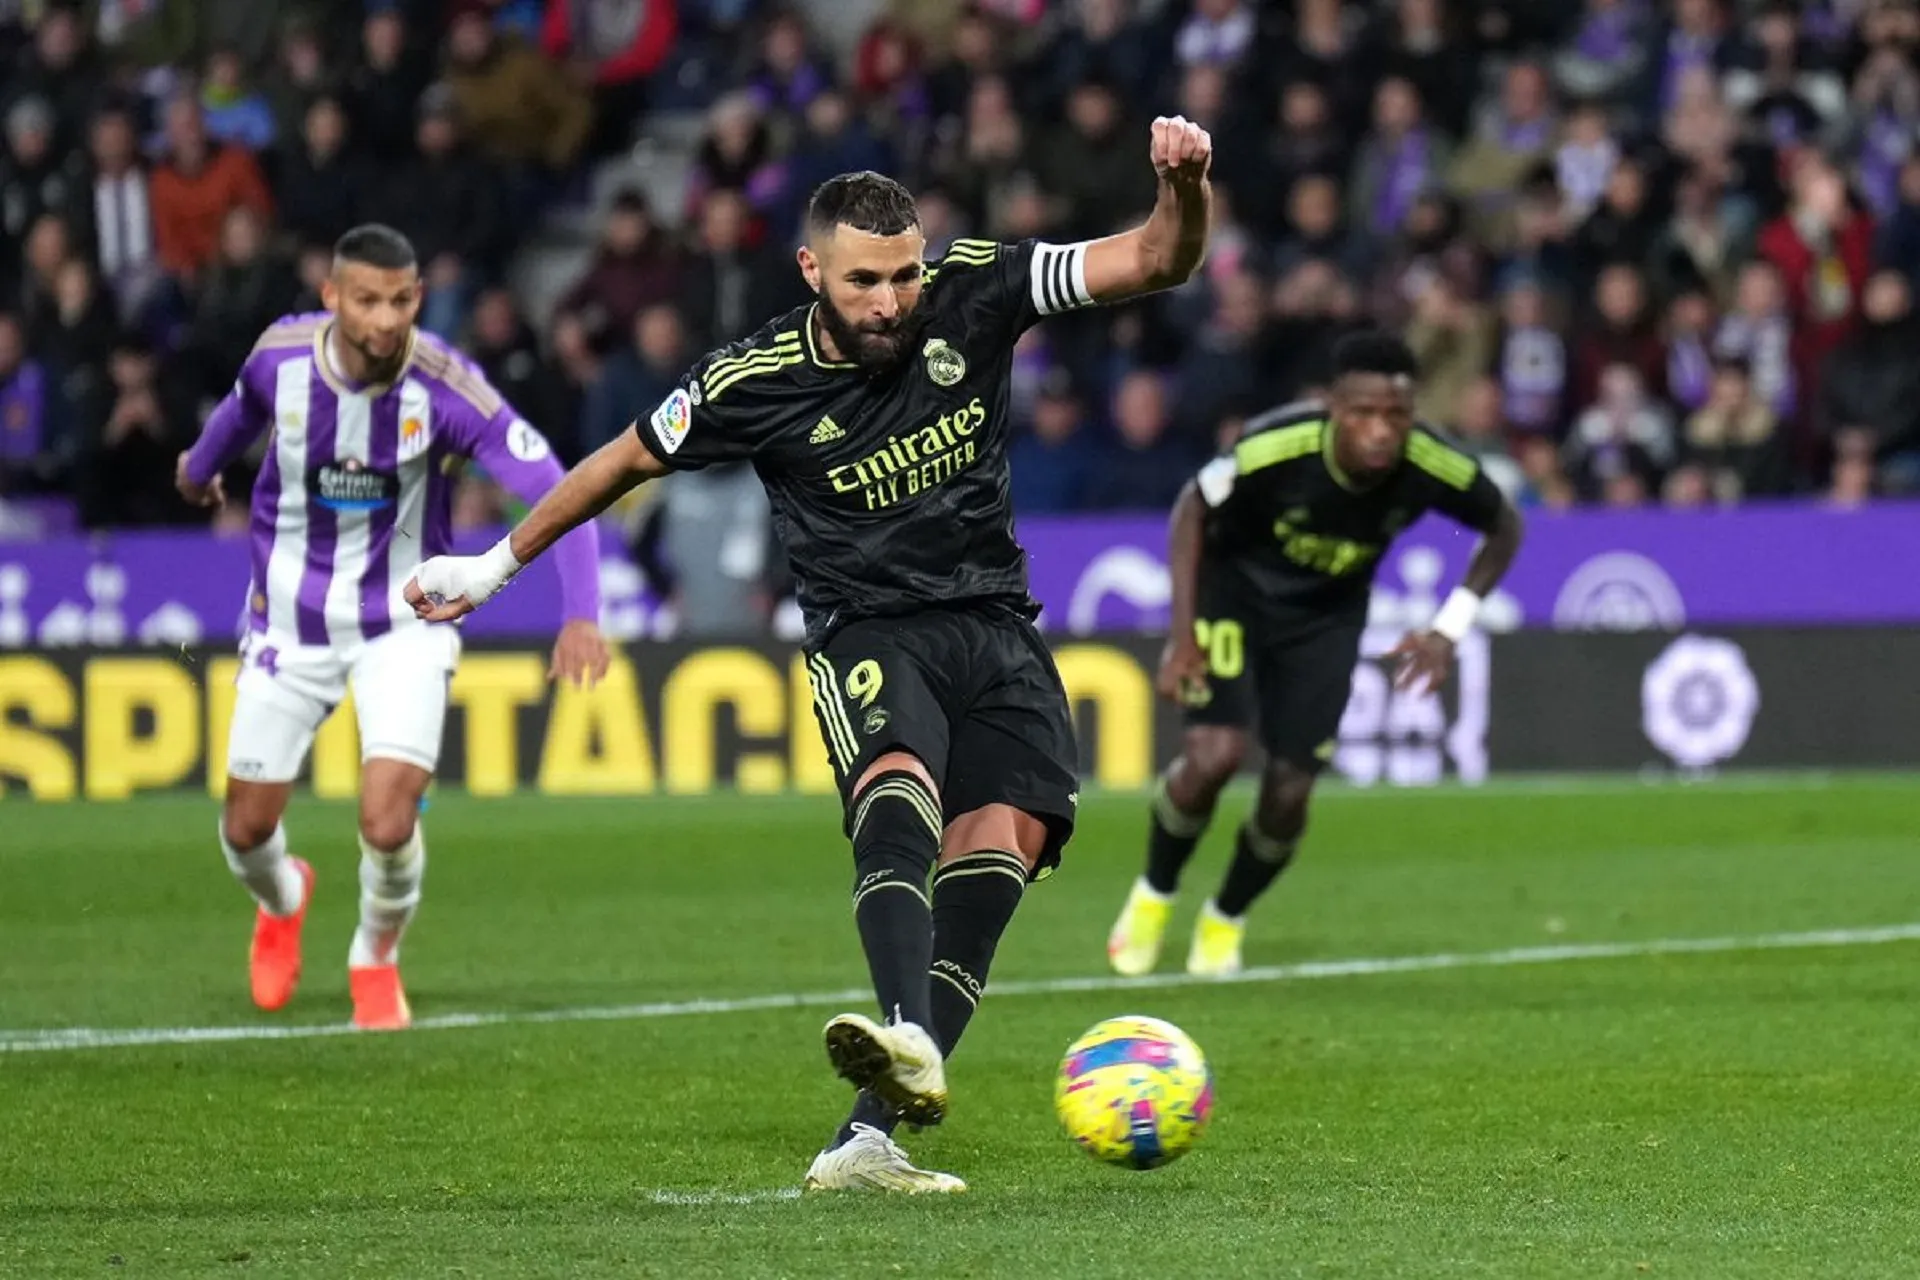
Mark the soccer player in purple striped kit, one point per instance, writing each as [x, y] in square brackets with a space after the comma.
[367, 421]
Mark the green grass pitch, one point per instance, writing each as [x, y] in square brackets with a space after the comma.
[1737, 1110]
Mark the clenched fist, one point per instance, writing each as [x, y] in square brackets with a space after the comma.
[1181, 150]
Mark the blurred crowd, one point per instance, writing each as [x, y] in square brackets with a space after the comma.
[1647, 252]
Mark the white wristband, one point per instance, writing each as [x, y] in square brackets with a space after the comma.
[1456, 616]
[493, 569]
[476, 578]
[501, 563]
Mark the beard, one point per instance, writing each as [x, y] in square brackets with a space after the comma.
[875, 346]
[377, 368]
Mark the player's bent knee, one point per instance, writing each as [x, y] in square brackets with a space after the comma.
[1285, 789]
[388, 829]
[387, 818]
[390, 792]
[996, 826]
[1214, 754]
[252, 811]
[896, 762]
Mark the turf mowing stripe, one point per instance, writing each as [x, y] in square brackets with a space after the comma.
[29, 1041]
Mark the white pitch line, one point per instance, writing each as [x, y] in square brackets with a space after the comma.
[724, 1197]
[31, 1041]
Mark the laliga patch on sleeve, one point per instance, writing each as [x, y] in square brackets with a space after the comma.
[525, 443]
[672, 419]
[1216, 480]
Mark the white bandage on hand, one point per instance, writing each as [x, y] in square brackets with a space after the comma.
[478, 578]
[1457, 615]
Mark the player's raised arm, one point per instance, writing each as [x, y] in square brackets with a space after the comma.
[1167, 249]
[235, 423]
[448, 587]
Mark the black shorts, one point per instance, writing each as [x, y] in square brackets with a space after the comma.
[1290, 677]
[972, 692]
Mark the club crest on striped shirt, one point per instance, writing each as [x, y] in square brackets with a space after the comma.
[414, 438]
[944, 365]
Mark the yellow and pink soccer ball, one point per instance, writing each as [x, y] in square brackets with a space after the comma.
[1135, 1092]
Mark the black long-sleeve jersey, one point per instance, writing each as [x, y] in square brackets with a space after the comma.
[889, 491]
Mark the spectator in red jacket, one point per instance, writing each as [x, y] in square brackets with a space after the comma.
[195, 187]
[634, 268]
[1823, 248]
[1623, 331]
[613, 45]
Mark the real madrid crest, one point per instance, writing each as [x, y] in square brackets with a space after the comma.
[944, 365]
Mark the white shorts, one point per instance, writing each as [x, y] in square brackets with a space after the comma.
[286, 690]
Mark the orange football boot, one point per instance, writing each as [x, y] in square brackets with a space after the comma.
[274, 960]
[379, 1004]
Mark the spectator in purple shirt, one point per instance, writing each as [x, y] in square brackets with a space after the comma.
[789, 75]
[26, 463]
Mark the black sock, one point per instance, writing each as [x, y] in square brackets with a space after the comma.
[974, 897]
[1258, 861]
[1171, 839]
[896, 837]
[867, 1110]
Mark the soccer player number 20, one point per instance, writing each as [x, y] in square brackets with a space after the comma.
[1225, 645]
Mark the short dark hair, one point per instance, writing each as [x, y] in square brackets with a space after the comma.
[1374, 351]
[134, 344]
[373, 244]
[866, 201]
[631, 200]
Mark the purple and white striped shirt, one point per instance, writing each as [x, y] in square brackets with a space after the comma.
[357, 485]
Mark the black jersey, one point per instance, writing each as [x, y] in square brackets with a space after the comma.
[1289, 530]
[889, 491]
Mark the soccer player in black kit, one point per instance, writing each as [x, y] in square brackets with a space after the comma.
[877, 420]
[1273, 549]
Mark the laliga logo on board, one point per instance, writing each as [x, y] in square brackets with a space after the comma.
[1698, 700]
[1619, 591]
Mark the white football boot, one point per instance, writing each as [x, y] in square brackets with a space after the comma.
[871, 1161]
[900, 1063]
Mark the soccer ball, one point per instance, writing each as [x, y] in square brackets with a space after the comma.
[1135, 1092]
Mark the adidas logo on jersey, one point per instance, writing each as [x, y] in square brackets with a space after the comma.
[826, 431]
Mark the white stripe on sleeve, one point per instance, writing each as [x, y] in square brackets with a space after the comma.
[1058, 278]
